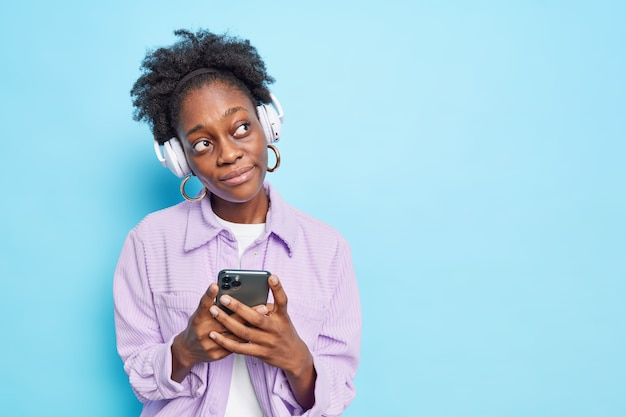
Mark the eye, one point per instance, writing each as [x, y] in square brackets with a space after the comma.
[242, 130]
[202, 146]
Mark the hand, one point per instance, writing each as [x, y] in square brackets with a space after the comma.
[271, 337]
[194, 345]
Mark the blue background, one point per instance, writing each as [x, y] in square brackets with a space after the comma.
[472, 152]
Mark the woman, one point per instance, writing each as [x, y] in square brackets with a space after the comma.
[207, 102]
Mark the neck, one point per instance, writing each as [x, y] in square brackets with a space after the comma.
[249, 212]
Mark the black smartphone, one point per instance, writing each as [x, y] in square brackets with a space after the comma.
[247, 286]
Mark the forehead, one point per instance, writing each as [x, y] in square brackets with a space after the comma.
[212, 100]
[213, 93]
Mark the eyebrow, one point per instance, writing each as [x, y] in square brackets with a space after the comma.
[227, 113]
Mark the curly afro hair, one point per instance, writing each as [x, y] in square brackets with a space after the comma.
[157, 95]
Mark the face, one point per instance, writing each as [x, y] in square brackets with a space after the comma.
[224, 142]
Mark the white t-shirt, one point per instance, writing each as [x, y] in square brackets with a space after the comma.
[245, 402]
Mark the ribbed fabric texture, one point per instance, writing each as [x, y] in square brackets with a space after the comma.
[167, 262]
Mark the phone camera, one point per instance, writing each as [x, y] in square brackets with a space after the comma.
[226, 279]
[226, 286]
[236, 284]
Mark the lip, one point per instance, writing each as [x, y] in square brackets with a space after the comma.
[238, 176]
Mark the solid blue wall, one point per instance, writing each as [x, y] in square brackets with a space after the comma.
[472, 154]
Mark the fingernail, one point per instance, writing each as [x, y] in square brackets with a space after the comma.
[214, 311]
[224, 299]
[261, 309]
[273, 280]
[212, 335]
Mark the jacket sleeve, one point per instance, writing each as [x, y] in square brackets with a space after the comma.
[337, 349]
[147, 357]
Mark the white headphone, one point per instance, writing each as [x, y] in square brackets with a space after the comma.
[173, 156]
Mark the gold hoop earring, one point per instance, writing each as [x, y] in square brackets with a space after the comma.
[184, 194]
[275, 167]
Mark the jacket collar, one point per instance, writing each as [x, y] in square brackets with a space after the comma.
[202, 225]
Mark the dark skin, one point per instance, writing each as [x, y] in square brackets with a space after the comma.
[226, 149]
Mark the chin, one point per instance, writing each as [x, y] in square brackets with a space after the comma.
[240, 194]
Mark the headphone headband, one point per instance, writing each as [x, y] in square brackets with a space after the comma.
[191, 75]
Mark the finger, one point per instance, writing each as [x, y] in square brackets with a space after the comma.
[240, 339]
[238, 308]
[229, 335]
[240, 322]
[280, 297]
[233, 345]
[261, 309]
[208, 297]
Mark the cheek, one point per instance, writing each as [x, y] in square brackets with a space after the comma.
[264, 153]
[193, 165]
[265, 156]
[201, 167]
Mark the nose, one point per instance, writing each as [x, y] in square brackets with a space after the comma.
[229, 151]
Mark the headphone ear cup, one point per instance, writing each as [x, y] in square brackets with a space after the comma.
[271, 122]
[175, 158]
